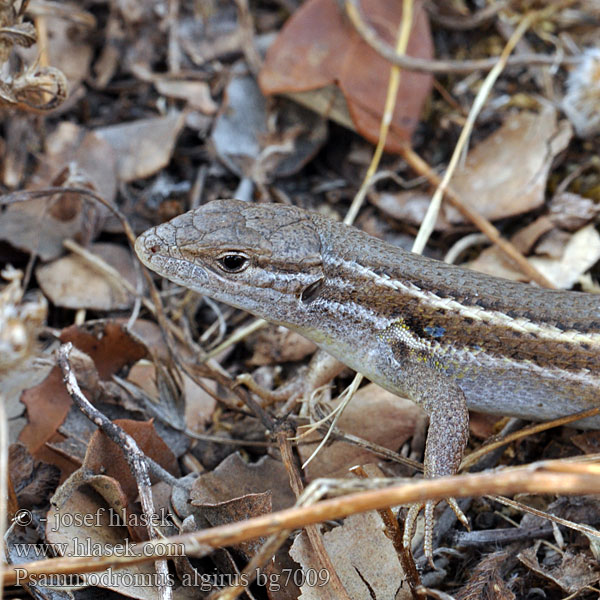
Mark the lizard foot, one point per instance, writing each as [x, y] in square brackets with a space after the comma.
[428, 508]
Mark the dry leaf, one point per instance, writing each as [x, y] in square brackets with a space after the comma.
[581, 253]
[246, 142]
[573, 572]
[195, 93]
[67, 45]
[318, 47]
[20, 322]
[145, 146]
[234, 478]
[363, 557]
[100, 535]
[104, 456]
[504, 175]
[73, 283]
[373, 414]
[48, 403]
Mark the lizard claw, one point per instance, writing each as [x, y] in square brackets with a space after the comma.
[428, 508]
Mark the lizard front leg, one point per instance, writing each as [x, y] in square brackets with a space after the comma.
[424, 381]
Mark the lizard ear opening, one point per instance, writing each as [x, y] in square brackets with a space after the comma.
[310, 292]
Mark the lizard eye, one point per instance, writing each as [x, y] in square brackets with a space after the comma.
[233, 263]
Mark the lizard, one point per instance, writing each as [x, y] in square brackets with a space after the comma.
[446, 337]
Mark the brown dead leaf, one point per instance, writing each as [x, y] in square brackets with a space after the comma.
[104, 456]
[33, 481]
[318, 47]
[234, 478]
[571, 211]
[506, 174]
[75, 157]
[94, 158]
[373, 414]
[108, 343]
[253, 144]
[363, 557]
[588, 442]
[73, 282]
[29, 226]
[240, 509]
[145, 146]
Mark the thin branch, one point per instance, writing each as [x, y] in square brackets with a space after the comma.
[411, 63]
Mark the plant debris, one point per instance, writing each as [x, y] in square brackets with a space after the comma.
[140, 414]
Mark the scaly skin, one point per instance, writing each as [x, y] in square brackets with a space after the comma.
[445, 337]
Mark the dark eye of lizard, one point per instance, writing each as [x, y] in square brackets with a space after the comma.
[233, 263]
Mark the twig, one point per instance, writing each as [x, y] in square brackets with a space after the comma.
[138, 463]
[394, 533]
[526, 431]
[433, 209]
[275, 541]
[472, 21]
[491, 232]
[388, 112]
[411, 63]
[537, 478]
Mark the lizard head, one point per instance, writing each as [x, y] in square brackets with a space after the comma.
[265, 259]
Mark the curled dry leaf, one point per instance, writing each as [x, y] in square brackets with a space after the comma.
[72, 282]
[67, 44]
[40, 88]
[571, 572]
[318, 46]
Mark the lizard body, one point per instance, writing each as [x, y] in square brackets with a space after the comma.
[443, 336]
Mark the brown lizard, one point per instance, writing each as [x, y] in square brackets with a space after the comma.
[445, 337]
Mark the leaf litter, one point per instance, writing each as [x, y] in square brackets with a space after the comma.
[159, 109]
